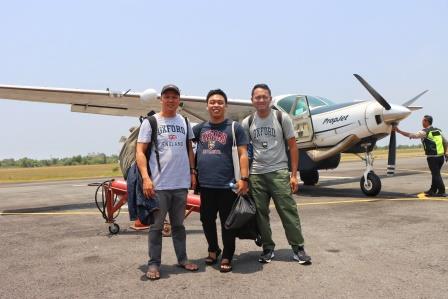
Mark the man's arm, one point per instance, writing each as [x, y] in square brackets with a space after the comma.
[192, 165]
[418, 135]
[243, 186]
[445, 147]
[294, 157]
[142, 164]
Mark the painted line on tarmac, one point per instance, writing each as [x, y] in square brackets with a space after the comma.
[423, 171]
[420, 196]
[337, 177]
[47, 213]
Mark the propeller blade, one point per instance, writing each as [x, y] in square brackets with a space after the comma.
[392, 154]
[373, 92]
[408, 103]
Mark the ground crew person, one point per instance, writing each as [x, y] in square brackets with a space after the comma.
[436, 147]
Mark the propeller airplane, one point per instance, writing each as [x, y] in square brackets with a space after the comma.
[323, 129]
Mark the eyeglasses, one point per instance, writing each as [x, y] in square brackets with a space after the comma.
[260, 98]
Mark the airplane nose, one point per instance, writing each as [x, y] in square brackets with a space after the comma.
[395, 114]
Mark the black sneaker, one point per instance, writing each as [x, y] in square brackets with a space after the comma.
[441, 194]
[430, 193]
[266, 256]
[302, 257]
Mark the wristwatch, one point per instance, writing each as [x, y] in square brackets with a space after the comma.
[193, 170]
[245, 178]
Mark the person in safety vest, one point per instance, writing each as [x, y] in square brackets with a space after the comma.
[436, 147]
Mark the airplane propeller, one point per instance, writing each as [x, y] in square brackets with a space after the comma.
[393, 137]
[373, 92]
[392, 154]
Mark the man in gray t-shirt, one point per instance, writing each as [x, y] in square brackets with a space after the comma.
[269, 176]
[268, 142]
[169, 180]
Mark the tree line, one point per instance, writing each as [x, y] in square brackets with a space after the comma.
[90, 159]
[412, 146]
[100, 158]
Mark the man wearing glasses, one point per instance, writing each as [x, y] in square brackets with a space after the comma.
[270, 133]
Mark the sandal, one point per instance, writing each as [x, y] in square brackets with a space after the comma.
[189, 266]
[225, 267]
[209, 260]
[153, 273]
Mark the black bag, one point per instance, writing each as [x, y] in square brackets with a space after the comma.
[249, 232]
[243, 210]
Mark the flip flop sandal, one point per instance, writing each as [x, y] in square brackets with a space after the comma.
[225, 267]
[153, 273]
[210, 260]
[185, 266]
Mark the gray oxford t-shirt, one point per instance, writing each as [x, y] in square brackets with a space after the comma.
[172, 145]
[268, 142]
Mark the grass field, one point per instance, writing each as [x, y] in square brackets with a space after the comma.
[15, 175]
[383, 153]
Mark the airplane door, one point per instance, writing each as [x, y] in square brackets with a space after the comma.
[301, 118]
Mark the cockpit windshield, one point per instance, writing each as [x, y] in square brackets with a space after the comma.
[315, 102]
[287, 102]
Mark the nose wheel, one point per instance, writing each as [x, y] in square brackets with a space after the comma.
[370, 183]
[371, 186]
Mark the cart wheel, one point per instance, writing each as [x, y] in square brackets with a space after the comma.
[114, 228]
[166, 232]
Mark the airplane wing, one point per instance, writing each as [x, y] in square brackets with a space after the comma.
[116, 103]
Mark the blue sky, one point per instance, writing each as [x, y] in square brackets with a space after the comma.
[311, 47]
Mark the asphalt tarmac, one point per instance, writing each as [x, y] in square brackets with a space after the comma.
[54, 243]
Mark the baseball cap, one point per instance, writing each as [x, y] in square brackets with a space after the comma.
[170, 87]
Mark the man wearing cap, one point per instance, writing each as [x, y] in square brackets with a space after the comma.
[436, 147]
[171, 174]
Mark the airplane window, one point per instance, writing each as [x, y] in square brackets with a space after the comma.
[286, 103]
[301, 106]
[315, 102]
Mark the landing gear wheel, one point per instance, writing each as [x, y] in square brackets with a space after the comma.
[166, 232]
[373, 185]
[309, 177]
[114, 228]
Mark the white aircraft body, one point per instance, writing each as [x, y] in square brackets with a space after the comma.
[323, 129]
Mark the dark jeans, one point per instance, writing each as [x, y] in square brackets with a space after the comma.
[435, 164]
[212, 202]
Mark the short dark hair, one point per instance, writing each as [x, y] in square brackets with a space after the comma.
[216, 91]
[428, 118]
[262, 86]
